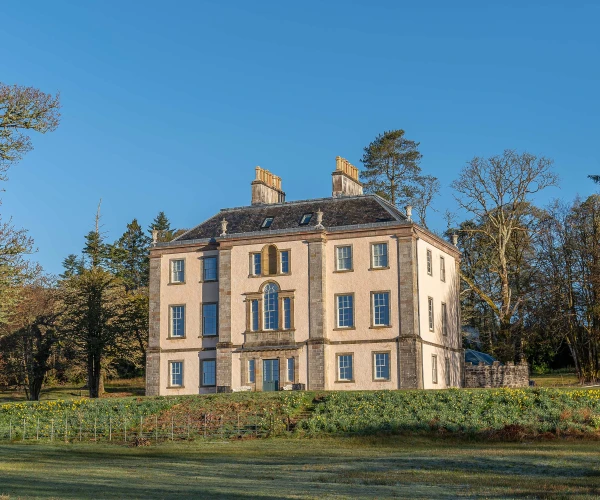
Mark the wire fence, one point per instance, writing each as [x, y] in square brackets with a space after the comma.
[144, 429]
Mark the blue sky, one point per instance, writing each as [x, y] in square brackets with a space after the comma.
[170, 105]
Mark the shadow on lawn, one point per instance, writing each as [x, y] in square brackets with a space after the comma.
[279, 468]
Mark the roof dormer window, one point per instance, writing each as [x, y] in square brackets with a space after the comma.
[267, 223]
[305, 220]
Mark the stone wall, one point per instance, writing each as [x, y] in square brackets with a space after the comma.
[496, 375]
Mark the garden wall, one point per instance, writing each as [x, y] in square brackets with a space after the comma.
[497, 375]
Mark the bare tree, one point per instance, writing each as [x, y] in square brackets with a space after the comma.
[497, 193]
[21, 109]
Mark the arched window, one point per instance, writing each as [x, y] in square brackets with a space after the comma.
[272, 259]
[271, 307]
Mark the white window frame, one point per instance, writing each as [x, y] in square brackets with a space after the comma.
[271, 309]
[256, 264]
[175, 271]
[252, 371]
[429, 262]
[374, 256]
[375, 308]
[444, 313]
[339, 258]
[204, 278]
[216, 305]
[434, 369]
[386, 356]
[254, 315]
[430, 314]
[347, 366]
[442, 269]
[287, 253]
[172, 365]
[286, 306]
[339, 310]
[172, 320]
[204, 363]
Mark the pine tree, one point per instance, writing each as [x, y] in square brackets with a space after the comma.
[392, 171]
[72, 265]
[162, 224]
[129, 256]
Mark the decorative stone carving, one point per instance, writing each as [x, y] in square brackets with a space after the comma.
[224, 227]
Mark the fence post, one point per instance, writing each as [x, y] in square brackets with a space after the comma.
[171, 427]
[110, 428]
[52, 430]
[10, 430]
[66, 424]
[80, 428]
[125, 429]
[188, 426]
[37, 429]
[205, 426]
[23, 428]
[96, 428]
[156, 428]
[141, 426]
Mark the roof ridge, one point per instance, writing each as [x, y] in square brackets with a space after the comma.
[389, 207]
[297, 202]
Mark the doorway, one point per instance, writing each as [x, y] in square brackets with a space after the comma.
[270, 375]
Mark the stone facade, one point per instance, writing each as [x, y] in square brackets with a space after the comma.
[496, 375]
[294, 338]
[153, 351]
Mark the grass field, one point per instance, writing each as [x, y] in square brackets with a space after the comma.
[113, 388]
[391, 467]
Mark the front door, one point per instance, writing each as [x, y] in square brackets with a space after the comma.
[270, 375]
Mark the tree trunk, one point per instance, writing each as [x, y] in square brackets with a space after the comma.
[94, 375]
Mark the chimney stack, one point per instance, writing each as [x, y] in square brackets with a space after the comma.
[344, 179]
[266, 188]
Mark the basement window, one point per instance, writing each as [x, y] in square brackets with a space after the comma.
[305, 220]
[267, 223]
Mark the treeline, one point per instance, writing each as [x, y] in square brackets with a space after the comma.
[90, 322]
[530, 275]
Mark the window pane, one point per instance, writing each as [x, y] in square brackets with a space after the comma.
[256, 270]
[290, 369]
[380, 257]
[271, 316]
[345, 311]
[267, 223]
[287, 313]
[251, 370]
[305, 219]
[209, 319]
[285, 262]
[208, 372]
[444, 320]
[430, 310]
[447, 369]
[381, 309]
[254, 314]
[176, 373]
[434, 373]
[382, 365]
[345, 367]
[177, 271]
[177, 321]
[344, 258]
[442, 269]
[429, 263]
[210, 269]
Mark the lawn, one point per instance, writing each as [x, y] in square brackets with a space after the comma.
[113, 388]
[383, 467]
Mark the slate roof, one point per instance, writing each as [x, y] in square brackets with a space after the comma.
[337, 212]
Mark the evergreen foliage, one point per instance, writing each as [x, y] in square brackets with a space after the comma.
[392, 170]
